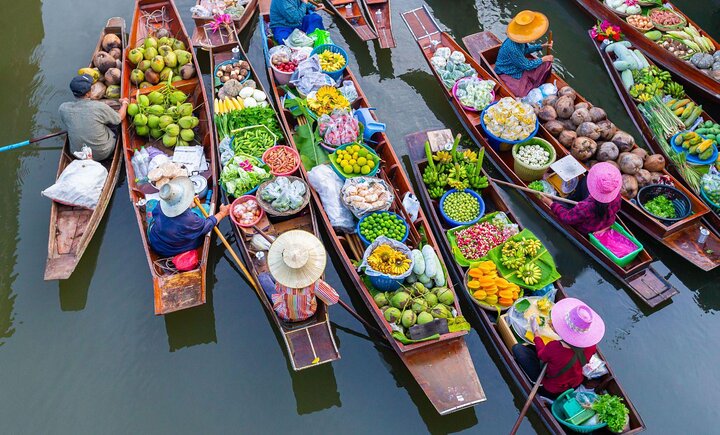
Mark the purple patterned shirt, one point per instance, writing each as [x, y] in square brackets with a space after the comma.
[582, 216]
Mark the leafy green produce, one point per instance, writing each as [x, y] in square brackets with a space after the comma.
[537, 185]
[242, 174]
[254, 116]
[612, 411]
[661, 206]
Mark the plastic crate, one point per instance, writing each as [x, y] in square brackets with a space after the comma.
[624, 261]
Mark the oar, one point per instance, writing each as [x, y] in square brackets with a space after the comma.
[529, 400]
[526, 189]
[230, 249]
[29, 141]
[340, 301]
[547, 50]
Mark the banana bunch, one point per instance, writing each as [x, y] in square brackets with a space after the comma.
[544, 305]
[389, 261]
[532, 247]
[675, 90]
[442, 158]
[530, 273]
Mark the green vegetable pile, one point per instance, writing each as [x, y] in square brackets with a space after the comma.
[662, 207]
[253, 141]
[247, 117]
[461, 207]
[453, 170]
[382, 224]
[612, 411]
[242, 174]
[537, 185]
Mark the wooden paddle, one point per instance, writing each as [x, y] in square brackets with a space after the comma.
[530, 398]
[29, 141]
[547, 50]
[526, 189]
[242, 267]
[340, 301]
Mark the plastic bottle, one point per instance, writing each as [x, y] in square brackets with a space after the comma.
[236, 53]
[348, 9]
[144, 162]
[135, 161]
[379, 18]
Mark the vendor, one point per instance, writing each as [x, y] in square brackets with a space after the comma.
[288, 15]
[580, 329]
[519, 73]
[296, 260]
[91, 122]
[174, 228]
[600, 200]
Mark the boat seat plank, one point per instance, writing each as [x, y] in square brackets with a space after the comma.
[365, 32]
[376, 2]
[684, 242]
[71, 224]
[310, 343]
[341, 2]
[651, 286]
[477, 43]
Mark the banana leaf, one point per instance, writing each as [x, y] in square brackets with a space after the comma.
[543, 260]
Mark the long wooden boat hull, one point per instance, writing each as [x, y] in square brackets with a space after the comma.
[641, 124]
[309, 343]
[381, 20]
[688, 74]
[173, 291]
[639, 276]
[450, 351]
[72, 228]
[680, 237]
[351, 12]
[494, 202]
[203, 37]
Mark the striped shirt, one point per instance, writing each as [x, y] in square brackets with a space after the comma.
[296, 305]
[511, 58]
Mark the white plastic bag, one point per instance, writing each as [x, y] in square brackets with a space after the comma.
[80, 184]
[328, 185]
[595, 368]
[412, 205]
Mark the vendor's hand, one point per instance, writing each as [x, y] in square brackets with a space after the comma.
[548, 45]
[319, 7]
[124, 101]
[534, 328]
[545, 200]
[548, 58]
[224, 210]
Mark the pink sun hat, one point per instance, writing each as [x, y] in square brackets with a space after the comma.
[576, 323]
[604, 182]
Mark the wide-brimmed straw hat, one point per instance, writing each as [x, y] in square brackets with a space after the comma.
[576, 323]
[604, 182]
[527, 26]
[176, 196]
[296, 259]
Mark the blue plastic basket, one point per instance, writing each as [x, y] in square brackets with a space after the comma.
[693, 158]
[709, 201]
[558, 414]
[367, 242]
[335, 49]
[502, 144]
[385, 283]
[216, 80]
[456, 223]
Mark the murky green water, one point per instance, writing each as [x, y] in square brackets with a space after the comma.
[88, 356]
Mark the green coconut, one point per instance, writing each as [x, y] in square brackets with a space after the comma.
[150, 53]
[185, 122]
[424, 318]
[164, 49]
[169, 141]
[142, 130]
[157, 64]
[144, 85]
[183, 57]
[156, 133]
[140, 119]
[143, 100]
[133, 109]
[165, 120]
[137, 76]
[441, 311]
[150, 42]
[400, 300]
[408, 318]
[419, 289]
[419, 305]
[431, 299]
[153, 121]
[165, 74]
[156, 97]
[156, 110]
[187, 135]
[185, 109]
[135, 56]
[392, 315]
[172, 130]
[446, 296]
[170, 59]
[179, 45]
[144, 65]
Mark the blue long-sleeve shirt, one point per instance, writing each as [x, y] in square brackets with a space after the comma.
[511, 58]
[172, 236]
[289, 13]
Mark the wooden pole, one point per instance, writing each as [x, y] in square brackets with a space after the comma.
[526, 189]
[230, 249]
[530, 398]
[29, 141]
[550, 40]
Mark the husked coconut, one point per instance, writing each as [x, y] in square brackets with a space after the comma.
[607, 151]
[547, 113]
[567, 91]
[630, 163]
[654, 163]
[554, 127]
[103, 61]
[640, 152]
[607, 129]
[583, 148]
[643, 177]
[629, 188]
[566, 138]
[597, 114]
[111, 41]
[588, 129]
[564, 107]
[579, 116]
[624, 141]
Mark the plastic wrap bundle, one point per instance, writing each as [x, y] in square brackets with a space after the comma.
[510, 119]
[298, 38]
[328, 185]
[364, 195]
[308, 77]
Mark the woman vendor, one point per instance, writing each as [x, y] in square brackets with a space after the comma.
[520, 73]
[296, 260]
[580, 329]
[174, 227]
[288, 15]
[600, 200]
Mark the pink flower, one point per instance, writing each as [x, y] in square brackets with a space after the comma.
[630, 2]
[220, 21]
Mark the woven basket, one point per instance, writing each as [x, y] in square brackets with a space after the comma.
[268, 207]
[683, 21]
[532, 173]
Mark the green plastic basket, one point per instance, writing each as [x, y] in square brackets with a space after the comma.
[624, 261]
[558, 413]
[532, 173]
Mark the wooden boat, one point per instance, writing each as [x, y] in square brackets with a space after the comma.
[680, 237]
[381, 20]
[641, 124]
[351, 12]
[502, 341]
[173, 290]
[688, 74]
[309, 343]
[443, 368]
[72, 228]
[638, 276]
[203, 36]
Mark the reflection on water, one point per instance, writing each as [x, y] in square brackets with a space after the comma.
[315, 389]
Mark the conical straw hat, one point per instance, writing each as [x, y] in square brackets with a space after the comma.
[527, 26]
[296, 259]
